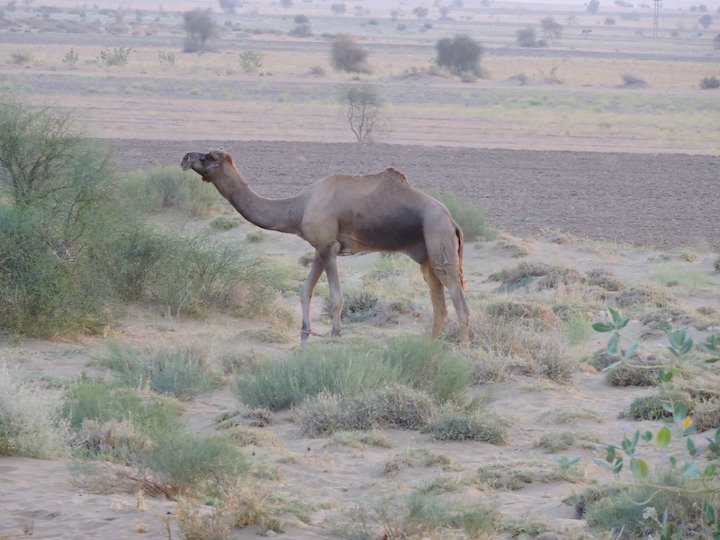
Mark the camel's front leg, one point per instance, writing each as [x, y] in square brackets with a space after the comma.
[306, 294]
[329, 260]
[437, 296]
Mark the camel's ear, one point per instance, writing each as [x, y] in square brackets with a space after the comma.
[219, 154]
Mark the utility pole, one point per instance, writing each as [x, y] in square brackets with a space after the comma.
[656, 16]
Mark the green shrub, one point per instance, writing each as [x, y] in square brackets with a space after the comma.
[349, 370]
[117, 57]
[344, 369]
[471, 220]
[56, 215]
[432, 366]
[30, 418]
[359, 304]
[145, 434]
[459, 425]
[182, 373]
[168, 187]
[104, 402]
[709, 82]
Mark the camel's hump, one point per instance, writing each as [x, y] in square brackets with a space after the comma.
[392, 172]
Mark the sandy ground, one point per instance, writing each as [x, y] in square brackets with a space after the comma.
[39, 498]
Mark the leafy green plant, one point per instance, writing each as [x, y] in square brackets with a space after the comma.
[117, 57]
[251, 61]
[697, 474]
[166, 58]
[71, 58]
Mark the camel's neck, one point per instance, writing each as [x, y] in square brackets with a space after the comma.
[275, 214]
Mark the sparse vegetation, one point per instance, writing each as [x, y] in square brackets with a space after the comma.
[30, 421]
[347, 55]
[363, 108]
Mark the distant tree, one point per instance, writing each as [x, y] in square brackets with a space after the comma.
[593, 6]
[716, 42]
[363, 109]
[347, 55]
[286, 3]
[394, 14]
[338, 9]
[228, 6]
[444, 12]
[526, 38]
[551, 29]
[199, 27]
[301, 19]
[420, 12]
[706, 20]
[702, 8]
[459, 55]
[301, 30]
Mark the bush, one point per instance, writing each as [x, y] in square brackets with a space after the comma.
[347, 55]
[351, 370]
[460, 54]
[470, 219]
[117, 57]
[145, 435]
[467, 426]
[430, 365]
[103, 402]
[395, 406]
[345, 370]
[30, 419]
[168, 187]
[301, 30]
[709, 82]
[56, 214]
[181, 373]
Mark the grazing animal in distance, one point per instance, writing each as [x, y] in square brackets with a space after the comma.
[349, 214]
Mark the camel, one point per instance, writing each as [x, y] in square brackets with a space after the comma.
[346, 215]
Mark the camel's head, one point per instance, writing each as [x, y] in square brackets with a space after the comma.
[205, 164]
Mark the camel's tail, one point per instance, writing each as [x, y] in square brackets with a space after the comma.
[461, 244]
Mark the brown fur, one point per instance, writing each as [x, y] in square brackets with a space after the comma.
[345, 215]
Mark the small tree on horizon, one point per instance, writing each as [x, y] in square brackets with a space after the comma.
[593, 6]
[460, 54]
[200, 28]
[363, 109]
[552, 29]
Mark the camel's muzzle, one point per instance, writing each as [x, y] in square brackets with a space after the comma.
[185, 164]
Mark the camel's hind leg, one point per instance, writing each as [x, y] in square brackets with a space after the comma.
[445, 260]
[455, 290]
[437, 296]
[306, 294]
